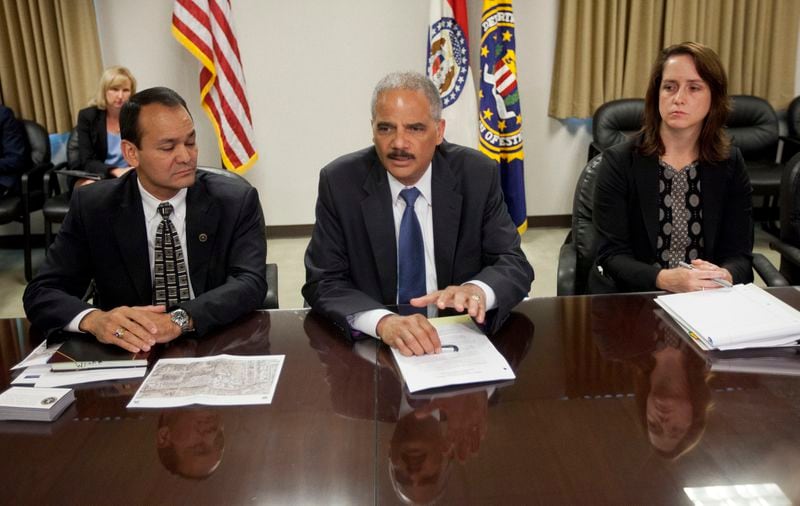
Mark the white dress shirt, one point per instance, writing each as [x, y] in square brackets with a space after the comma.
[152, 220]
[367, 321]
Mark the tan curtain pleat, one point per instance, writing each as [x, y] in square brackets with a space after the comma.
[755, 39]
[49, 59]
[602, 47]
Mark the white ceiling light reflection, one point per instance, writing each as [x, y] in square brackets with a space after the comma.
[753, 494]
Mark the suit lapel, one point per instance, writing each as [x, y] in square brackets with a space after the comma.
[646, 176]
[376, 209]
[446, 218]
[129, 230]
[202, 220]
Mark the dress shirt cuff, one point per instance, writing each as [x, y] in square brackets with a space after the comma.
[366, 322]
[75, 324]
[491, 298]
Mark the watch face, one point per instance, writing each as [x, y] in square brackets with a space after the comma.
[180, 318]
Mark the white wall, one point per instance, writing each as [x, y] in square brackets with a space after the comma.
[310, 68]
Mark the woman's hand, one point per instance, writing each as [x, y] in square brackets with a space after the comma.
[700, 277]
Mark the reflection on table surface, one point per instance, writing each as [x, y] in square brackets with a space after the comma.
[610, 406]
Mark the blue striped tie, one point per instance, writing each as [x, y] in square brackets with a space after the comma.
[410, 253]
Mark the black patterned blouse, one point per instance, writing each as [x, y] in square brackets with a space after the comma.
[680, 214]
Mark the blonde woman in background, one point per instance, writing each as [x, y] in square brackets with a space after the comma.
[98, 126]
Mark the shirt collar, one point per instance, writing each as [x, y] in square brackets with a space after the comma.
[423, 185]
[150, 203]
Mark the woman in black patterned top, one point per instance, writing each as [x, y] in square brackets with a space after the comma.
[678, 192]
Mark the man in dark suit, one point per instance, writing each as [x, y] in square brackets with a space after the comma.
[117, 234]
[14, 156]
[454, 245]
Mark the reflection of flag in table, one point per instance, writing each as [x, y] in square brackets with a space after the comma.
[448, 68]
[204, 28]
[500, 115]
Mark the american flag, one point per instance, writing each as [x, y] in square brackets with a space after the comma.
[204, 28]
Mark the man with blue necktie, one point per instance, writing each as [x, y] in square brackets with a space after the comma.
[412, 220]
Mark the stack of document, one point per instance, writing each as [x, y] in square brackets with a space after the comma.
[743, 316]
[37, 370]
[34, 404]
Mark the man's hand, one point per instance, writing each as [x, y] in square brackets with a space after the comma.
[411, 335]
[133, 328]
[467, 297]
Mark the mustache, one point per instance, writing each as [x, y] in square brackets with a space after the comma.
[399, 153]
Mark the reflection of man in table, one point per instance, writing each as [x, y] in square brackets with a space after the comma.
[412, 220]
[190, 441]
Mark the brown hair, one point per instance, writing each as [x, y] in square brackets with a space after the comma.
[713, 143]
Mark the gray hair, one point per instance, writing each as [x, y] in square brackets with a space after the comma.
[413, 81]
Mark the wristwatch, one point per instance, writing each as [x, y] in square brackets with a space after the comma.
[181, 318]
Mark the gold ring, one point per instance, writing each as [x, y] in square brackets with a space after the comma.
[119, 333]
[476, 298]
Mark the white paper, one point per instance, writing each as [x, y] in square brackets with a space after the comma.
[476, 361]
[40, 355]
[732, 318]
[41, 376]
[223, 380]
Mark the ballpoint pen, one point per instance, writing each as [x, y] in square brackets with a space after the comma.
[719, 281]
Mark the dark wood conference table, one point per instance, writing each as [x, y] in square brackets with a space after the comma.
[610, 406]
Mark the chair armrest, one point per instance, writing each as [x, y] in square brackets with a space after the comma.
[567, 261]
[271, 299]
[787, 251]
[767, 271]
[81, 173]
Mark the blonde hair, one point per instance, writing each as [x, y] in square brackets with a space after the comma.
[111, 77]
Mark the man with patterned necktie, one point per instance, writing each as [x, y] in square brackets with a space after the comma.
[170, 250]
[415, 221]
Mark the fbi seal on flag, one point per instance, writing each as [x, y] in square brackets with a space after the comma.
[448, 59]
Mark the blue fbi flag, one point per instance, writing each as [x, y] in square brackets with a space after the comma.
[500, 116]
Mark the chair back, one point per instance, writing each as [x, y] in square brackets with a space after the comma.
[73, 151]
[223, 172]
[793, 118]
[584, 235]
[39, 142]
[790, 215]
[753, 128]
[616, 121]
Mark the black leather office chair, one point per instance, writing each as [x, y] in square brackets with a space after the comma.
[789, 243]
[271, 299]
[753, 128]
[579, 250]
[19, 206]
[57, 188]
[615, 122]
[791, 142]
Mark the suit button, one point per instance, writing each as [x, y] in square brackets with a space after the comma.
[203, 237]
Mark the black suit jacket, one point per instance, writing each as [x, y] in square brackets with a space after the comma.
[351, 261]
[92, 142]
[14, 151]
[104, 238]
[626, 218]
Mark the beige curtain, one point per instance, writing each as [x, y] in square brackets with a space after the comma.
[604, 49]
[756, 40]
[49, 59]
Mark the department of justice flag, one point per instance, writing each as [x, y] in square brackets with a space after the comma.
[448, 68]
[204, 28]
[500, 116]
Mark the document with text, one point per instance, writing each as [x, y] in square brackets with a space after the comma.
[467, 357]
[222, 380]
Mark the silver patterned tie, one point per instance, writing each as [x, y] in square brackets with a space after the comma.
[170, 279]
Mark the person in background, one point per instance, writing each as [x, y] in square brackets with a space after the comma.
[672, 206]
[13, 151]
[99, 141]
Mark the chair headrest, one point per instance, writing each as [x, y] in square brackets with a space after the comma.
[753, 127]
[614, 122]
[39, 142]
